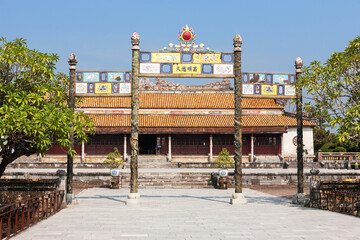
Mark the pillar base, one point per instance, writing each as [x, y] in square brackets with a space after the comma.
[70, 197]
[299, 198]
[238, 199]
[133, 199]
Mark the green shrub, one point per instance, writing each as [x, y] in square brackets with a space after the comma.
[339, 149]
[224, 161]
[114, 159]
[328, 147]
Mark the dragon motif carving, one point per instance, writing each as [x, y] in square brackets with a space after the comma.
[145, 84]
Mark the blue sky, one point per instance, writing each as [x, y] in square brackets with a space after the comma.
[274, 32]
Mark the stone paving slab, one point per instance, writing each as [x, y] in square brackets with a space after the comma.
[190, 214]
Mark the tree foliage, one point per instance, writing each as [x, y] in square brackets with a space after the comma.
[321, 137]
[33, 104]
[334, 90]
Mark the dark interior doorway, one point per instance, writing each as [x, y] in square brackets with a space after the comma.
[147, 144]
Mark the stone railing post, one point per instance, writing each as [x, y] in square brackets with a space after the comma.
[61, 182]
[319, 155]
[315, 188]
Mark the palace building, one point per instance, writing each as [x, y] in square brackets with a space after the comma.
[190, 124]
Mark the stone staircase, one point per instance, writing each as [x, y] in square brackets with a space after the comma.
[170, 180]
[152, 161]
[267, 159]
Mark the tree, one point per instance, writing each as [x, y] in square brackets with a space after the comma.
[334, 92]
[33, 104]
[321, 137]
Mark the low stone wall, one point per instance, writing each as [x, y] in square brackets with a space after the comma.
[254, 165]
[184, 179]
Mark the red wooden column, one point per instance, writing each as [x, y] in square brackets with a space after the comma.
[252, 147]
[82, 152]
[211, 148]
[125, 139]
[169, 148]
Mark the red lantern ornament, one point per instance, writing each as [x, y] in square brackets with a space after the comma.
[186, 36]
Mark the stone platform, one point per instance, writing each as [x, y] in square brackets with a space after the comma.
[190, 214]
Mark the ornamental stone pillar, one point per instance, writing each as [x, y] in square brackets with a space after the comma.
[238, 197]
[134, 196]
[300, 196]
[71, 104]
[299, 118]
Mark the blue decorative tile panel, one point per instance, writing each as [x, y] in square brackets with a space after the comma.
[115, 88]
[227, 58]
[79, 77]
[257, 89]
[292, 79]
[207, 69]
[280, 90]
[91, 87]
[166, 68]
[145, 57]
[186, 57]
[269, 78]
[103, 77]
[127, 77]
[245, 78]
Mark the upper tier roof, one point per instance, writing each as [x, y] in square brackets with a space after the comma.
[196, 121]
[179, 101]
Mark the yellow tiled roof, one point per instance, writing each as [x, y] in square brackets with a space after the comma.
[179, 101]
[196, 121]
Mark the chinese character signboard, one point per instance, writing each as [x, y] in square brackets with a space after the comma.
[107, 83]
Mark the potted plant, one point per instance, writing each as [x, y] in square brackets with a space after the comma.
[223, 162]
[114, 160]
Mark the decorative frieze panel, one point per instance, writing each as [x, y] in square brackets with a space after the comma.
[268, 84]
[166, 64]
[115, 82]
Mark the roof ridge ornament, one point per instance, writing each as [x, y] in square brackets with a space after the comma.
[298, 64]
[135, 40]
[186, 38]
[72, 59]
[237, 42]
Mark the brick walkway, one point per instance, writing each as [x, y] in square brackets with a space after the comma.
[190, 214]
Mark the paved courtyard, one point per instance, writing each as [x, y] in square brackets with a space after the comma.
[190, 214]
